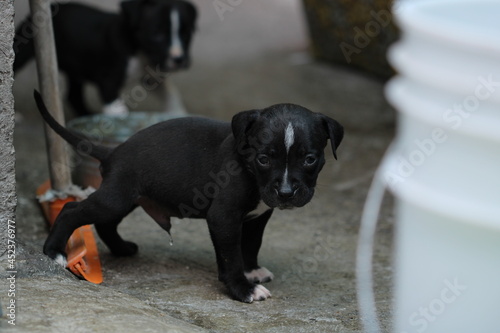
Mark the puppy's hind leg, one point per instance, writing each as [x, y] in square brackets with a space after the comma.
[117, 245]
[105, 206]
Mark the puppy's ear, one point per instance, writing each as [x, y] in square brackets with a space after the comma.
[335, 132]
[242, 122]
[132, 11]
[192, 11]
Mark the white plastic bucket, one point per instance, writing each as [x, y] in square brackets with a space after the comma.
[444, 167]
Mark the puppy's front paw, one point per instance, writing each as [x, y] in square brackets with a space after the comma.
[115, 108]
[247, 292]
[260, 293]
[259, 275]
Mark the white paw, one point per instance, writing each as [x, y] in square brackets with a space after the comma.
[115, 108]
[260, 275]
[260, 293]
[61, 260]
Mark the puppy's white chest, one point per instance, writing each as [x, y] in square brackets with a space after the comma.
[259, 210]
[134, 69]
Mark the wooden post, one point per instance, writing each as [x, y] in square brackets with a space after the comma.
[46, 60]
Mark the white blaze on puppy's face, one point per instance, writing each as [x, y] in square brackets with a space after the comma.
[175, 50]
[289, 137]
[289, 140]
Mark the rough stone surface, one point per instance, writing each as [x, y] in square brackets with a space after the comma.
[8, 198]
[66, 305]
[255, 56]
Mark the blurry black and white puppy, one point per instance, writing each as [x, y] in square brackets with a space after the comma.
[106, 49]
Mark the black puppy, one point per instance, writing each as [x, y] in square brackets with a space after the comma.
[233, 175]
[99, 47]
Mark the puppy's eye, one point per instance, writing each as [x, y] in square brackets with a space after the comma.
[263, 160]
[310, 160]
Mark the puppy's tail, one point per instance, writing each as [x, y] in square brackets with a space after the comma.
[98, 152]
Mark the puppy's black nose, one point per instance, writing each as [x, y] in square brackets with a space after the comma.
[178, 60]
[286, 191]
[288, 194]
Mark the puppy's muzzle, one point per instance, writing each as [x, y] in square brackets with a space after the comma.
[287, 195]
[177, 58]
[177, 63]
[285, 191]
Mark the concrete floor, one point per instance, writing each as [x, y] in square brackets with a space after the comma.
[256, 56]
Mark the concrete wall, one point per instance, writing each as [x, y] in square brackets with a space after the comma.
[8, 199]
